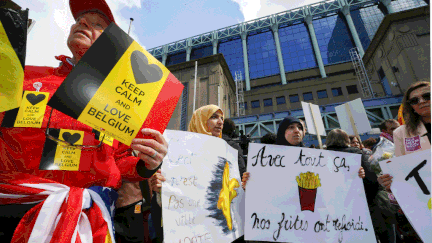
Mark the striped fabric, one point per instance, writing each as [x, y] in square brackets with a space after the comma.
[64, 214]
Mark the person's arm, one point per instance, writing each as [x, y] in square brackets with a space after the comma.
[241, 162]
[149, 158]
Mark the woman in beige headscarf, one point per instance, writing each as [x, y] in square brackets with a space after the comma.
[207, 120]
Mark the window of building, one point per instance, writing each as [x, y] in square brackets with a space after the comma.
[280, 100]
[337, 91]
[294, 98]
[322, 94]
[255, 104]
[307, 96]
[245, 105]
[233, 53]
[262, 55]
[334, 39]
[384, 82]
[352, 89]
[296, 47]
[268, 102]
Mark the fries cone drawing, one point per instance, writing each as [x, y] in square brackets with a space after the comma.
[308, 183]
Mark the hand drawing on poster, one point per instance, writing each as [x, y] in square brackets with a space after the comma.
[310, 195]
[202, 191]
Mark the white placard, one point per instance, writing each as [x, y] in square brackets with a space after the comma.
[278, 209]
[359, 116]
[412, 188]
[309, 119]
[198, 170]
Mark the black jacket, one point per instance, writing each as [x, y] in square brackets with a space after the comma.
[241, 162]
[370, 181]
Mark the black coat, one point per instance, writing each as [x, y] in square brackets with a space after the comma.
[370, 181]
[241, 162]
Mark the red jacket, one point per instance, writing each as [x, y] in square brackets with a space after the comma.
[21, 148]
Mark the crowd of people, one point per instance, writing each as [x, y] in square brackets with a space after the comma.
[120, 191]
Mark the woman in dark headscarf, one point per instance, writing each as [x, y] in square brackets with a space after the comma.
[291, 132]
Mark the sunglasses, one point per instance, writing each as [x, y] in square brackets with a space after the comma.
[416, 100]
[68, 144]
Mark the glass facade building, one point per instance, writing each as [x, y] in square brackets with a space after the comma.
[332, 31]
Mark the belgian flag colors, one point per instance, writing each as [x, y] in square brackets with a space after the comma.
[118, 88]
[13, 38]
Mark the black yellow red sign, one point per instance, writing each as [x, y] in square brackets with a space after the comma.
[117, 86]
[13, 31]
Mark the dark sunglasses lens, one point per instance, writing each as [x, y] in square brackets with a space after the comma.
[426, 96]
[414, 101]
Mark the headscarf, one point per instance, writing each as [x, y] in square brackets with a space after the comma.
[199, 119]
[280, 137]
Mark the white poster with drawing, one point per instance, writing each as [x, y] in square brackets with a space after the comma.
[307, 111]
[359, 116]
[202, 197]
[305, 195]
[412, 188]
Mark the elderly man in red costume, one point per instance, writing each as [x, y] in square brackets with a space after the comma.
[62, 205]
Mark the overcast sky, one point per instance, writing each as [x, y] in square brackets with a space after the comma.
[156, 22]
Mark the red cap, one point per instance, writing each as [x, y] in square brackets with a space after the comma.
[79, 7]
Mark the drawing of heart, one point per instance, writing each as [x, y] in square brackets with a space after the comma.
[34, 99]
[143, 72]
[71, 138]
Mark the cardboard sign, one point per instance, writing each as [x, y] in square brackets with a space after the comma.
[59, 156]
[305, 195]
[309, 115]
[117, 86]
[353, 110]
[412, 188]
[202, 198]
[32, 109]
[13, 29]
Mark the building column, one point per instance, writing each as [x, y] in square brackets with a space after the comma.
[215, 41]
[245, 59]
[346, 12]
[164, 55]
[387, 4]
[188, 49]
[275, 30]
[317, 51]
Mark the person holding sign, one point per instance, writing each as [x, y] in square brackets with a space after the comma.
[58, 176]
[383, 222]
[206, 120]
[291, 132]
[413, 136]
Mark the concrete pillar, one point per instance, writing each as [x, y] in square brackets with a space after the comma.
[164, 58]
[215, 41]
[317, 51]
[245, 59]
[387, 4]
[275, 29]
[164, 54]
[188, 53]
[346, 12]
[188, 49]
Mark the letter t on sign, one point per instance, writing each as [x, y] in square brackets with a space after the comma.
[415, 173]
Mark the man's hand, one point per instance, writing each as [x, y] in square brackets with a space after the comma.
[385, 181]
[151, 151]
[156, 181]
